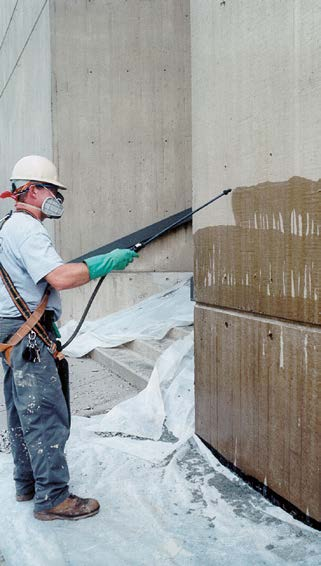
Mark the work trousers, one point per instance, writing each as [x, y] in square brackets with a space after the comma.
[38, 421]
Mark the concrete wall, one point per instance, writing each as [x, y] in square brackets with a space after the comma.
[256, 119]
[25, 85]
[103, 88]
[122, 133]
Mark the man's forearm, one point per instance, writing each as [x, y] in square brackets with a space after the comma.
[72, 275]
[68, 276]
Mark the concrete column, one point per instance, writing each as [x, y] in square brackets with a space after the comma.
[103, 88]
[25, 85]
[122, 133]
[256, 118]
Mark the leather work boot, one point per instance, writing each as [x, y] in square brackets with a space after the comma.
[25, 496]
[72, 509]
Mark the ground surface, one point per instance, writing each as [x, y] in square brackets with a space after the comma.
[93, 390]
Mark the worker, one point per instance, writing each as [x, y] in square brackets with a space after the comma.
[36, 396]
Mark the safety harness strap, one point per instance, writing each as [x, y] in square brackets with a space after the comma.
[24, 329]
[31, 318]
[22, 305]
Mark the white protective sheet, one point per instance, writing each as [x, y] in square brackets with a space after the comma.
[169, 396]
[165, 500]
[149, 319]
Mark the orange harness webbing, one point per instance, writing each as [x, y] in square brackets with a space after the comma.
[24, 329]
[32, 319]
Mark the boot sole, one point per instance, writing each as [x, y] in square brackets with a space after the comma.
[42, 516]
[22, 498]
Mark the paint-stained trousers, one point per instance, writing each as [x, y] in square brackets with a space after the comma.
[38, 422]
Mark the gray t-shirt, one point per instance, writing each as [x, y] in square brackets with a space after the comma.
[28, 255]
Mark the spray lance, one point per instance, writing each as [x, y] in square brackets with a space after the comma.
[136, 248]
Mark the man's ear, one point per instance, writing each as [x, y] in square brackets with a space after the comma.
[33, 190]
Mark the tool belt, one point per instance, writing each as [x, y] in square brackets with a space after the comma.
[32, 320]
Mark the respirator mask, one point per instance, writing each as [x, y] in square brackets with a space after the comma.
[52, 206]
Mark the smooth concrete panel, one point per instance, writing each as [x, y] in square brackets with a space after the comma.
[256, 86]
[24, 18]
[269, 262]
[119, 291]
[258, 400]
[25, 104]
[7, 10]
[122, 124]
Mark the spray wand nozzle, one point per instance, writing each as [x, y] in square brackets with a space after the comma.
[140, 245]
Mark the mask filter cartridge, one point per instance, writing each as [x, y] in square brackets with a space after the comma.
[52, 207]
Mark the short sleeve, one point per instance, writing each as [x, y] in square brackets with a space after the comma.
[39, 256]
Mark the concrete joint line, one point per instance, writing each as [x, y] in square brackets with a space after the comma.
[264, 318]
[24, 47]
[8, 26]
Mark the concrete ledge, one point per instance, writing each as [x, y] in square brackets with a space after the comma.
[125, 363]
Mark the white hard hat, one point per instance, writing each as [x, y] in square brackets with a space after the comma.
[36, 168]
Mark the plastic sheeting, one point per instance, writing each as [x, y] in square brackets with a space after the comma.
[167, 400]
[149, 319]
[165, 499]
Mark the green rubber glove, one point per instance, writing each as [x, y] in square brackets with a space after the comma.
[100, 265]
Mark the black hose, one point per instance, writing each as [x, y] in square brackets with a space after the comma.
[137, 247]
[80, 323]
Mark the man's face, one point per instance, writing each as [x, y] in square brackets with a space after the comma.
[36, 196]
